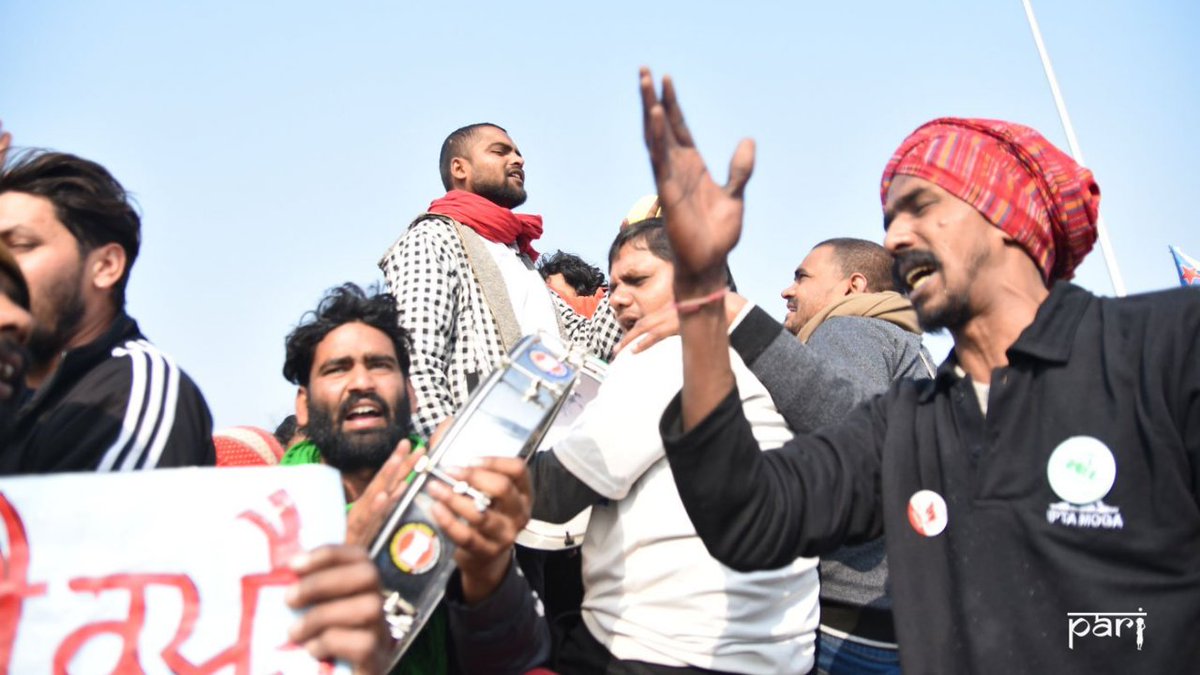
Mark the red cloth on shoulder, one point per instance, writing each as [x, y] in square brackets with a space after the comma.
[490, 220]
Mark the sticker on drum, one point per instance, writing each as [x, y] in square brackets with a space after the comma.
[547, 363]
[415, 548]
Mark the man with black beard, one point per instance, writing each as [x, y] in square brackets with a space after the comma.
[349, 360]
[101, 397]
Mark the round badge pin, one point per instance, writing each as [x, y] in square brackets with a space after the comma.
[1081, 470]
[927, 513]
[415, 548]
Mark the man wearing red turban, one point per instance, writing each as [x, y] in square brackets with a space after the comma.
[1040, 494]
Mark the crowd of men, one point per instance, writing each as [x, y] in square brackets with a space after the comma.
[765, 497]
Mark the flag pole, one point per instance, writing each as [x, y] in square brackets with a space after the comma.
[1114, 273]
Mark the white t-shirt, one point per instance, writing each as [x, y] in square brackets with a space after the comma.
[652, 591]
[527, 291]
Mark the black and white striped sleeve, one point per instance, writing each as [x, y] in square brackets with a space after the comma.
[136, 410]
[166, 420]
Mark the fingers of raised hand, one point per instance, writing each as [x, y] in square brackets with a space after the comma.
[649, 99]
[391, 477]
[670, 102]
[384, 491]
[740, 168]
[654, 127]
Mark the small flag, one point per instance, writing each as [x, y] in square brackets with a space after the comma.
[1189, 269]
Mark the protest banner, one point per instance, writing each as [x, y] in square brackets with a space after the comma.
[171, 571]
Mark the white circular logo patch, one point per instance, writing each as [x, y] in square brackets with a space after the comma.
[927, 513]
[1081, 470]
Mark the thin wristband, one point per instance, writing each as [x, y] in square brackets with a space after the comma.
[694, 304]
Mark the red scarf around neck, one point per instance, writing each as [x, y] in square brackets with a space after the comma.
[490, 220]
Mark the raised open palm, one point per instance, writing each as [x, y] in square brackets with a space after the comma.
[704, 220]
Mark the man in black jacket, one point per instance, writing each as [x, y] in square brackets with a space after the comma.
[1040, 494]
[102, 398]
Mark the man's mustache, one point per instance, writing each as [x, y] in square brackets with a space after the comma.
[907, 261]
[350, 404]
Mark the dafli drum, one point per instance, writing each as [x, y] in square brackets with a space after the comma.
[507, 416]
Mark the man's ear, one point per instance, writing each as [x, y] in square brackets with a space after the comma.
[412, 396]
[460, 170]
[106, 265]
[858, 284]
[302, 407]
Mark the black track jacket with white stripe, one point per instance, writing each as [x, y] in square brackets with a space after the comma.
[116, 404]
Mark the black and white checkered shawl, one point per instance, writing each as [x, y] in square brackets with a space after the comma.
[456, 340]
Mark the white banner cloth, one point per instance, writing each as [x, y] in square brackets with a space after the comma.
[169, 571]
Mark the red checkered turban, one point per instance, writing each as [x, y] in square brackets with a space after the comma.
[1014, 177]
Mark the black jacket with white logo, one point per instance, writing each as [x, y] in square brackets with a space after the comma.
[116, 404]
[1017, 536]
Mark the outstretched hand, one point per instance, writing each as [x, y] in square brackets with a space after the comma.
[704, 220]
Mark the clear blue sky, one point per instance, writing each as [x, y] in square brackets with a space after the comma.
[277, 149]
